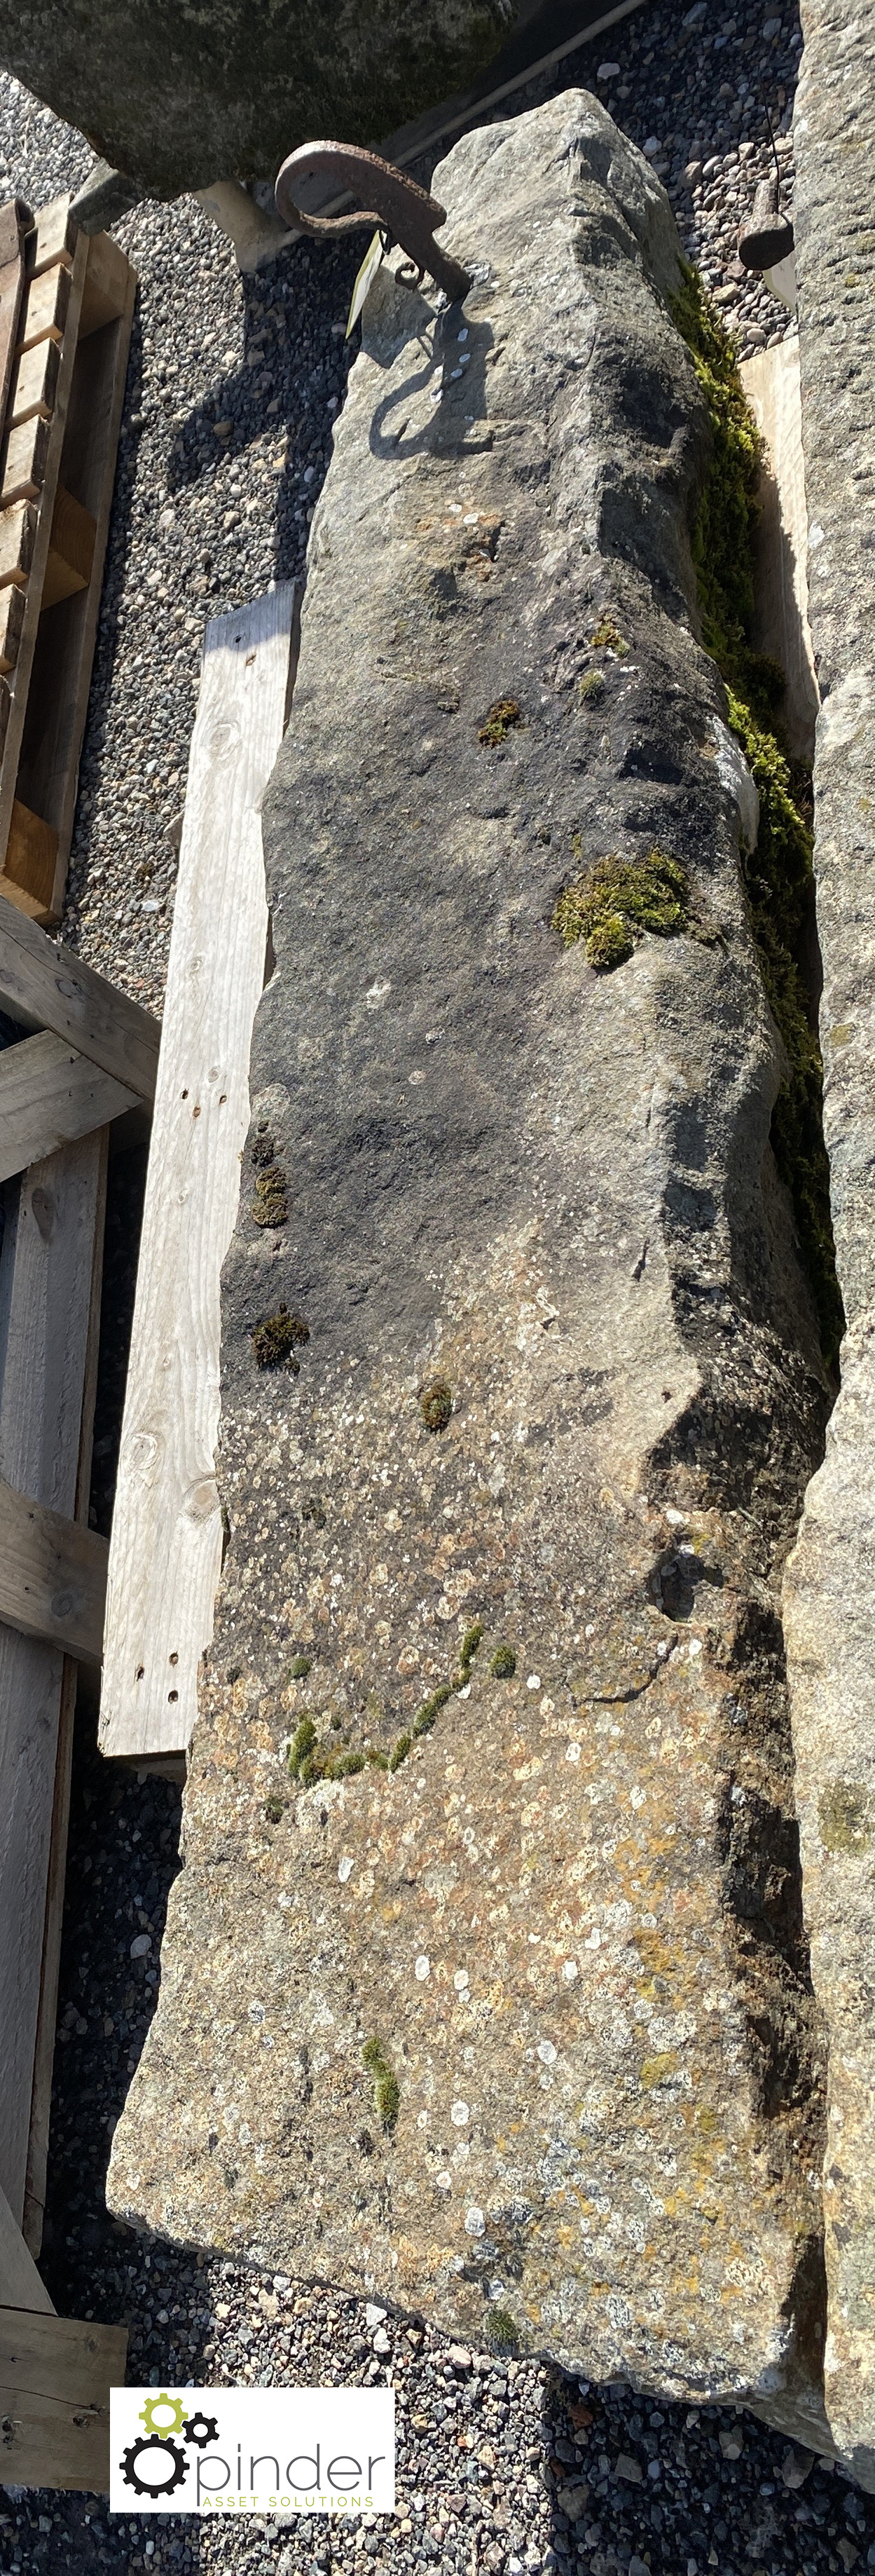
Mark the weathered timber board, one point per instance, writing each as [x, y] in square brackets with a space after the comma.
[20, 2284]
[55, 2379]
[50, 1096]
[46, 986]
[46, 1287]
[52, 1575]
[167, 1533]
[61, 676]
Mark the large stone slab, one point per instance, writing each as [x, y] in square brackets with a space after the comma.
[178, 94]
[830, 1595]
[520, 2030]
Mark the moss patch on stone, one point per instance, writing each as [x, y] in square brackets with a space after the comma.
[503, 1663]
[275, 1339]
[617, 899]
[499, 722]
[608, 639]
[270, 1205]
[778, 876]
[502, 2331]
[387, 2093]
[436, 1404]
[591, 688]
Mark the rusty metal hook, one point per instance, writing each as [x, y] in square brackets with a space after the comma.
[396, 205]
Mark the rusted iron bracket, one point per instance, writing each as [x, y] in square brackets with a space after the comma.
[395, 204]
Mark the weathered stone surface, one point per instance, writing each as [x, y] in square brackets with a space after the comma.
[835, 146]
[829, 1595]
[181, 93]
[567, 1928]
[830, 1590]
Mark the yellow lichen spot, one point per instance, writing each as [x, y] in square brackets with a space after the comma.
[657, 2070]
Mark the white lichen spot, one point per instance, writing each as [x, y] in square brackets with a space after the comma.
[570, 1971]
[422, 1968]
[475, 2223]
[461, 1980]
[459, 2114]
[546, 2052]
[376, 995]
[345, 1868]
[533, 1682]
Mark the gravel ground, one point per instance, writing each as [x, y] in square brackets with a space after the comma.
[232, 390]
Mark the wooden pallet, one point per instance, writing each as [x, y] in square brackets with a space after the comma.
[166, 1547]
[66, 377]
[56, 2375]
[86, 1056]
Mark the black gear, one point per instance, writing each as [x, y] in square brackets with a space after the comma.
[153, 2442]
[200, 2429]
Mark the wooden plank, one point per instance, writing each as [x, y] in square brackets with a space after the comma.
[41, 518]
[20, 2284]
[44, 2048]
[23, 461]
[55, 2380]
[771, 382]
[11, 619]
[167, 1533]
[46, 1273]
[11, 293]
[54, 238]
[31, 854]
[18, 531]
[71, 550]
[45, 306]
[58, 704]
[45, 985]
[52, 1576]
[50, 1096]
[34, 383]
[106, 285]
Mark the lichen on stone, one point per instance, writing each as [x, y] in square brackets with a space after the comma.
[275, 1338]
[846, 1817]
[618, 898]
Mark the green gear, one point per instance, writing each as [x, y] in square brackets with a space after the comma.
[173, 2406]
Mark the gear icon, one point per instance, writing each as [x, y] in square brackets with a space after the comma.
[200, 2429]
[172, 2407]
[160, 2450]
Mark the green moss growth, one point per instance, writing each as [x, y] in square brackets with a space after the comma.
[400, 1750]
[500, 721]
[274, 1809]
[607, 639]
[270, 1205]
[274, 1340]
[387, 2094]
[503, 1663]
[619, 897]
[591, 688]
[436, 1404]
[301, 1746]
[300, 1666]
[502, 2331]
[778, 877]
[262, 1149]
[468, 1650]
[425, 1716]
